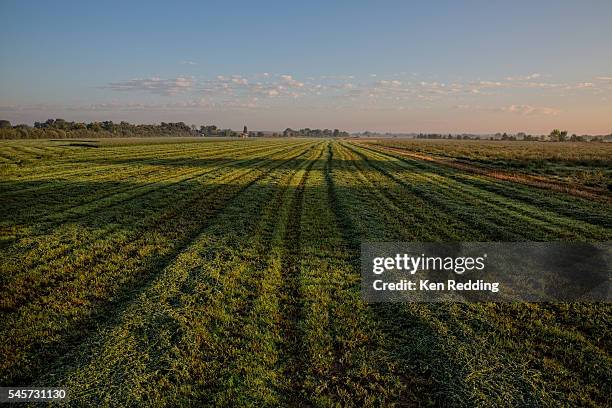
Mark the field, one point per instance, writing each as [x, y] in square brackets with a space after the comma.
[226, 272]
[579, 166]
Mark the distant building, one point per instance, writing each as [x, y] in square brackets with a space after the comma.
[245, 132]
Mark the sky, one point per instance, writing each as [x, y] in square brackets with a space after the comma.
[387, 66]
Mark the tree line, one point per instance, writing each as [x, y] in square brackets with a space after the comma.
[307, 132]
[555, 136]
[62, 129]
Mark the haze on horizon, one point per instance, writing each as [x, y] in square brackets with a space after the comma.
[475, 67]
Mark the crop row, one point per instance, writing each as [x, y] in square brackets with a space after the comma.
[63, 298]
[475, 353]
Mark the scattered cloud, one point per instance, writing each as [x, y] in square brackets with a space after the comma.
[291, 82]
[375, 91]
[188, 63]
[528, 110]
[154, 85]
[238, 79]
[516, 109]
[523, 77]
[392, 83]
[394, 87]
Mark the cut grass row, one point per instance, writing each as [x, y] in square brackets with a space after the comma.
[65, 297]
[102, 167]
[238, 285]
[479, 354]
[188, 322]
[137, 210]
[459, 196]
[256, 318]
[581, 165]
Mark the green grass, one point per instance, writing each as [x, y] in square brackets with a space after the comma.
[219, 272]
[581, 164]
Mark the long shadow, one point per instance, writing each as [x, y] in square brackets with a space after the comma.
[19, 205]
[125, 204]
[149, 267]
[564, 204]
[547, 161]
[179, 162]
[135, 216]
[418, 348]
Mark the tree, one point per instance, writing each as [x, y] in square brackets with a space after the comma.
[558, 136]
[5, 124]
[576, 138]
[60, 124]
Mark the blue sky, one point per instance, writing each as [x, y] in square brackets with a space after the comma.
[451, 66]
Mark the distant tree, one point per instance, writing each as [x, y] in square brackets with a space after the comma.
[558, 136]
[5, 124]
[60, 124]
[576, 138]
[95, 126]
[245, 130]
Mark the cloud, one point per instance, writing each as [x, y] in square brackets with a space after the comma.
[528, 110]
[347, 85]
[489, 84]
[383, 83]
[259, 85]
[289, 81]
[238, 79]
[582, 85]
[378, 92]
[188, 63]
[523, 77]
[154, 85]
[516, 109]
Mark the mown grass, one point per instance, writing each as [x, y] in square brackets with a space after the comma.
[227, 273]
[582, 164]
